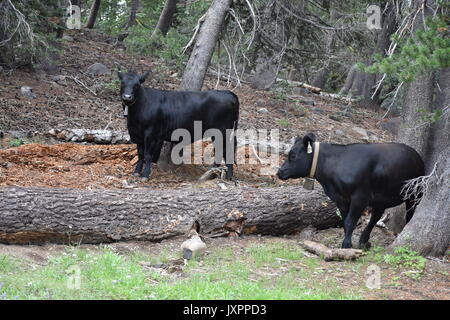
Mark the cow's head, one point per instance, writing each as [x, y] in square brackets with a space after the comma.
[299, 161]
[130, 84]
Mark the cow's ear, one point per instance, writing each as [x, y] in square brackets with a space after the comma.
[297, 139]
[119, 74]
[144, 76]
[309, 138]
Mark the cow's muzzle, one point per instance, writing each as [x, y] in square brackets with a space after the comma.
[127, 97]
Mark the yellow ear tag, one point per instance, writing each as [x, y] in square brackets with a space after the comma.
[309, 149]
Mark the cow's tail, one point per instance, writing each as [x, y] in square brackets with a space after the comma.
[235, 125]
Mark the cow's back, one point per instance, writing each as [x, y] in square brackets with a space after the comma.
[387, 167]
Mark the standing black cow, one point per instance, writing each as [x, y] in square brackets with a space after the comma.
[357, 176]
[153, 115]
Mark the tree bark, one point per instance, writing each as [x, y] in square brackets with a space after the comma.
[93, 15]
[133, 11]
[322, 76]
[383, 40]
[165, 18]
[208, 35]
[349, 80]
[39, 215]
[359, 83]
[428, 232]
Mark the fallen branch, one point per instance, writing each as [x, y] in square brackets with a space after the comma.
[301, 84]
[331, 254]
[82, 84]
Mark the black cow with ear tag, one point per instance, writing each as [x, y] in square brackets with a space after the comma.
[356, 176]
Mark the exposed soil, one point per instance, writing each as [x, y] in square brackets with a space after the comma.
[70, 165]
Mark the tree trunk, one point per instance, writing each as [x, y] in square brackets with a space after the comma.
[428, 232]
[133, 11]
[39, 215]
[383, 40]
[165, 18]
[349, 80]
[93, 15]
[362, 84]
[200, 58]
[322, 76]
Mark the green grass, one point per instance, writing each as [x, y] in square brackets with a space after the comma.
[266, 271]
[15, 142]
[283, 123]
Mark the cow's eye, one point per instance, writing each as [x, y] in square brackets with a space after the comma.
[291, 157]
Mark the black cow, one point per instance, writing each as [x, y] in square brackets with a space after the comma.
[153, 115]
[357, 176]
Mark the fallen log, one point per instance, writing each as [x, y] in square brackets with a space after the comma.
[331, 254]
[119, 137]
[39, 215]
[95, 136]
[309, 87]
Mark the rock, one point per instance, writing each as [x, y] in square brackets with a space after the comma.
[98, 69]
[305, 100]
[27, 92]
[339, 132]
[318, 110]
[263, 110]
[193, 247]
[392, 125]
[307, 233]
[67, 38]
[265, 75]
[335, 117]
[48, 64]
[299, 90]
[59, 78]
[362, 132]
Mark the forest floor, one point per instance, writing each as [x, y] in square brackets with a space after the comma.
[254, 267]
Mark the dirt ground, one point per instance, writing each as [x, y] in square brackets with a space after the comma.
[70, 165]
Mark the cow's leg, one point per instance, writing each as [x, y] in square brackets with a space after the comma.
[357, 205]
[138, 169]
[365, 235]
[148, 156]
[227, 147]
[157, 151]
[343, 208]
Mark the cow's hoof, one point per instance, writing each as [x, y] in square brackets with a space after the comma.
[136, 174]
[365, 246]
[144, 179]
